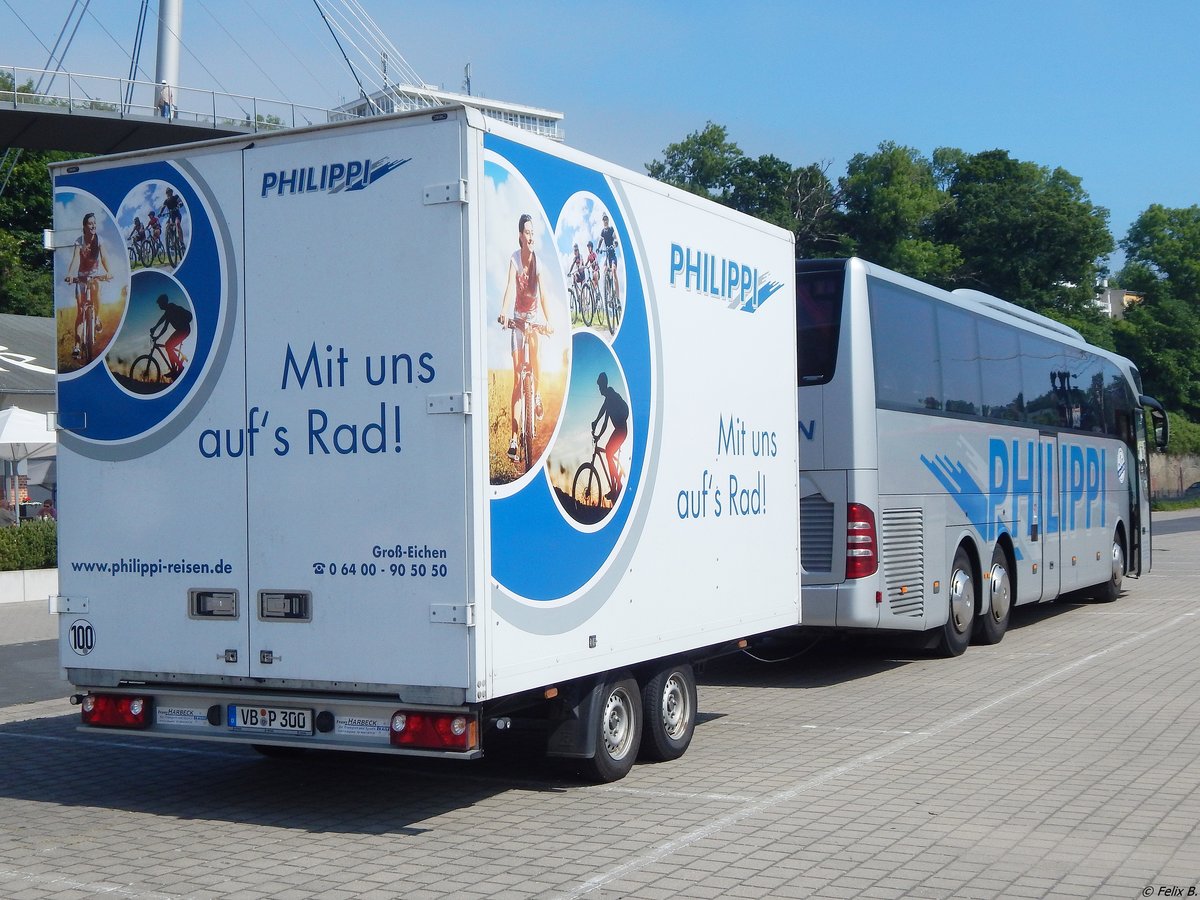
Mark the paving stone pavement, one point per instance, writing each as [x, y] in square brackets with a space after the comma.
[1062, 762]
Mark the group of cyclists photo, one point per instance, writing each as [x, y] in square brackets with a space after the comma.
[149, 243]
[595, 282]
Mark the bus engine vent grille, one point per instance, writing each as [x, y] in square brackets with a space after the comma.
[816, 533]
[903, 551]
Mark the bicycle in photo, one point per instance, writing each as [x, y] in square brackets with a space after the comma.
[139, 252]
[155, 250]
[583, 300]
[155, 367]
[527, 423]
[610, 306]
[592, 486]
[175, 246]
[87, 302]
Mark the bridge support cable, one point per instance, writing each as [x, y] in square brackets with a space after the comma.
[356, 26]
[349, 65]
[136, 55]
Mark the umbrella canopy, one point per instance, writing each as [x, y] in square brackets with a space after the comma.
[24, 433]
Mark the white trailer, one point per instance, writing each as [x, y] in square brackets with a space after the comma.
[319, 489]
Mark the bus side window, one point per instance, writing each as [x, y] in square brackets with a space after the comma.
[1000, 369]
[904, 335]
[1040, 365]
[958, 341]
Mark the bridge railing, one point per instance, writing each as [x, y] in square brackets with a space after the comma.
[70, 92]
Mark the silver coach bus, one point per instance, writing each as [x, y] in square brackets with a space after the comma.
[959, 454]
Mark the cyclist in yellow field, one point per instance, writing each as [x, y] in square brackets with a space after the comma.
[88, 258]
[524, 296]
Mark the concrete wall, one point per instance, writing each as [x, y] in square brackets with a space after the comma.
[1171, 475]
[34, 584]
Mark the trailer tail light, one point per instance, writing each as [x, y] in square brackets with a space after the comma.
[434, 730]
[862, 544]
[113, 711]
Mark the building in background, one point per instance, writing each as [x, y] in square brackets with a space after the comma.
[1114, 301]
[403, 97]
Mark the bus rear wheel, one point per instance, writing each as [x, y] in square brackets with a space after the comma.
[954, 636]
[993, 622]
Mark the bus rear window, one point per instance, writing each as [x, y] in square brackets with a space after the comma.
[818, 324]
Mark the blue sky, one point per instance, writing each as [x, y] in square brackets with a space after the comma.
[1105, 89]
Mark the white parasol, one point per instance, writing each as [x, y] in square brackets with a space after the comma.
[23, 434]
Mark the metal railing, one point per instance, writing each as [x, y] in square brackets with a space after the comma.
[71, 92]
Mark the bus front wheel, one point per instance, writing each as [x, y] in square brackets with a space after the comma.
[1111, 589]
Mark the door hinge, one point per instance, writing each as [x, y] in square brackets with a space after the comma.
[452, 613]
[60, 605]
[441, 404]
[450, 192]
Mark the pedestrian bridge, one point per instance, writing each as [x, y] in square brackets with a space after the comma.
[102, 114]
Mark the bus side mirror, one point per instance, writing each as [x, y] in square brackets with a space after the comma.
[1158, 421]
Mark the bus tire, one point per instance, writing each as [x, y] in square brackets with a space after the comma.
[617, 729]
[1111, 589]
[668, 713]
[962, 602]
[991, 624]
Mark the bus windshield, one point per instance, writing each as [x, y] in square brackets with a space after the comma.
[818, 322]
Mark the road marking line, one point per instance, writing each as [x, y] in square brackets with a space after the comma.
[677, 795]
[779, 797]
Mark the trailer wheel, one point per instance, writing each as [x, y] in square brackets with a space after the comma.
[954, 636]
[668, 713]
[618, 730]
[991, 625]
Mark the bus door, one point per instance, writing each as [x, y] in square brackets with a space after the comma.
[1045, 550]
[1139, 506]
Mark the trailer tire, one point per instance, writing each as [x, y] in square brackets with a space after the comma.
[617, 726]
[668, 713]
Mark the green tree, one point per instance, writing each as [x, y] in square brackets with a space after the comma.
[1027, 233]
[1163, 331]
[26, 269]
[889, 200]
[1164, 245]
[802, 200]
[702, 163]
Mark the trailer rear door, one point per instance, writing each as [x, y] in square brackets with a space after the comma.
[358, 484]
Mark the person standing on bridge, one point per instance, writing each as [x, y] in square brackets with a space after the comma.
[166, 99]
